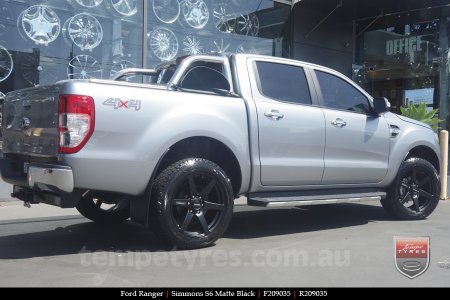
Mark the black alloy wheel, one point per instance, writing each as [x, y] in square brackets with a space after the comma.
[415, 192]
[192, 203]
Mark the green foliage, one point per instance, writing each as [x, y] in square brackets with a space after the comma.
[420, 113]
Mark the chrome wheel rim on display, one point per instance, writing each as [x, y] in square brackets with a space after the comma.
[84, 30]
[65, 33]
[221, 46]
[167, 11]
[40, 24]
[163, 43]
[448, 59]
[241, 49]
[248, 24]
[239, 3]
[84, 67]
[196, 13]
[192, 45]
[224, 20]
[121, 65]
[2, 96]
[85, 3]
[3, 29]
[123, 8]
[6, 63]
[6, 20]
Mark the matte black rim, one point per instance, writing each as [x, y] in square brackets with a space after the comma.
[198, 204]
[417, 189]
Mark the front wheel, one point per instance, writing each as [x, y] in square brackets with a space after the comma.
[415, 192]
[191, 203]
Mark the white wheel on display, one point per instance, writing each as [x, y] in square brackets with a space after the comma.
[85, 3]
[247, 24]
[221, 46]
[224, 19]
[6, 63]
[192, 45]
[196, 13]
[250, 50]
[166, 11]
[65, 32]
[84, 30]
[448, 59]
[121, 65]
[163, 43]
[123, 8]
[40, 24]
[2, 97]
[84, 67]
[3, 29]
[359, 74]
[6, 20]
[239, 3]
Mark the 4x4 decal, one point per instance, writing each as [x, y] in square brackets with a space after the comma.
[123, 104]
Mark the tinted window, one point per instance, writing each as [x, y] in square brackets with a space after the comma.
[202, 78]
[339, 94]
[283, 82]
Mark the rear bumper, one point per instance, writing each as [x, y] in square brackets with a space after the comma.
[40, 177]
[50, 176]
[40, 183]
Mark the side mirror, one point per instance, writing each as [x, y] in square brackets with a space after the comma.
[381, 105]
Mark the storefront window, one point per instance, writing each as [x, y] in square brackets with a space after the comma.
[44, 41]
[187, 27]
[401, 63]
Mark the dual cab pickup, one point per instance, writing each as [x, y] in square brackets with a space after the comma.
[175, 151]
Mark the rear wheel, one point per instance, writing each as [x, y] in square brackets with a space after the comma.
[191, 203]
[104, 209]
[415, 192]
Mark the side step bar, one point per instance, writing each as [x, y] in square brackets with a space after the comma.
[301, 198]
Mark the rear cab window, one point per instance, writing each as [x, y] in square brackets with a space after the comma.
[283, 82]
[207, 77]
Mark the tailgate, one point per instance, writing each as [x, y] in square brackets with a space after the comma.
[30, 121]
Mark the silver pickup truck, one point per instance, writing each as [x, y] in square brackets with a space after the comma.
[174, 152]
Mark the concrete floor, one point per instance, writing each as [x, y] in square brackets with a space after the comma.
[333, 245]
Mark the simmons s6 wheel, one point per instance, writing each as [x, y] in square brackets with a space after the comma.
[191, 203]
[415, 192]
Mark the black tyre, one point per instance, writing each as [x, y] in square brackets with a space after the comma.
[103, 209]
[415, 192]
[191, 203]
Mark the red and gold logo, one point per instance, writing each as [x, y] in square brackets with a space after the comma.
[412, 255]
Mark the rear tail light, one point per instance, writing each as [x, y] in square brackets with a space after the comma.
[76, 118]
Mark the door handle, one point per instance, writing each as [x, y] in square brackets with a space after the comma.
[339, 123]
[274, 115]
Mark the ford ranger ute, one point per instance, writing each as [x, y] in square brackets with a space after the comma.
[174, 151]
